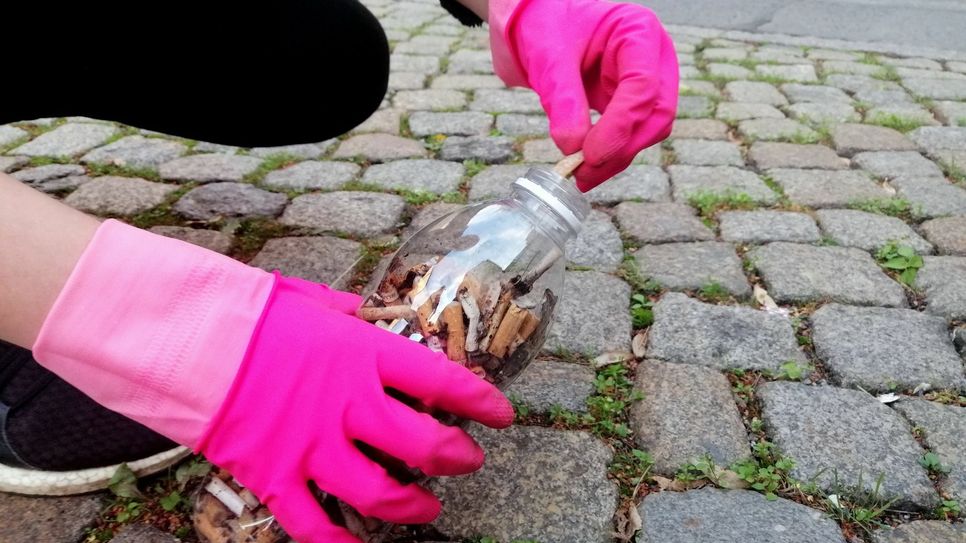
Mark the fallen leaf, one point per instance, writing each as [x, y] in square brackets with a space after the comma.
[607, 359]
[921, 387]
[639, 344]
[833, 499]
[888, 188]
[662, 482]
[766, 302]
[635, 523]
[730, 480]
[124, 483]
[888, 398]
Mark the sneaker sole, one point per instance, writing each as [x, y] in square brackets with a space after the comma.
[63, 483]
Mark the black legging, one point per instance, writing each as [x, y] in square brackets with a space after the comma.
[261, 74]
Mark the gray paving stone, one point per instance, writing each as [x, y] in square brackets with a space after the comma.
[689, 181]
[922, 531]
[137, 152]
[823, 114]
[775, 129]
[322, 259]
[736, 111]
[768, 155]
[937, 141]
[697, 87]
[313, 175]
[688, 73]
[710, 515]
[548, 383]
[208, 147]
[419, 175]
[845, 67]
[651, 156]
[486, 149]
[831, 54]
[798, 73]
[691, 107]
[466, 82]
[687, 413]
[379, 148]
[943, 278]
[53, 177]
[591, 296]
[814, 94]
[34, 519]
[729, 71]
[937, 89]
[931, 196]
[948, 234]
[762, 226]
[850, 139]
[67, 140]
[11, 163]
[517, 125]
[871, 441]
[661, 223]
[884, 97]
[703, 129]
[707, 153]
[725, 53]
[889, 164]
[827, 188]
[869, 231]
[951, 113]
[209, 167]
[541, 150]
[687, 331]
[465, 61]
[910, 113]
[645, 183]
[407, 80]
[212, 240]
[576, 504]
[425, 45]
[914, 73]
[229, 200]
[687, 266]
[857, 83]
[495, 181]
[598, 245]
[917, 63]
[423, 64]
[11, 134]
[143, 534]
[428, 214]
[361, 213]
[945, 426]
[795, 273]
[878, 349]
[755, 92]
[506, 101]
[429, 99]
[384, 120]
[301, 151]
[118, 195]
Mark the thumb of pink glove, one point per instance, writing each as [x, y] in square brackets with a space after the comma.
[268, 376]
[579, 54]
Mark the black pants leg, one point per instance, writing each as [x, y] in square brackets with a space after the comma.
[260, 74]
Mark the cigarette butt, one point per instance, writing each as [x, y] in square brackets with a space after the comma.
[529, 326]
[509, 326]
[455, 332]
[473, 316]
[389, 313]
[424, 312]
[501, 308]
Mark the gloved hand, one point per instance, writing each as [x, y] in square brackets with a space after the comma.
[579, 54]
[268, 376]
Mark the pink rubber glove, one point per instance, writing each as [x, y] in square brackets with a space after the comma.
[268, 376]
[579, 54]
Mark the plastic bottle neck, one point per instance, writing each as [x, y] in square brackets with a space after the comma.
[555, 203]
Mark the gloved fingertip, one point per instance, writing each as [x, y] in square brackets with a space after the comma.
[501, 413]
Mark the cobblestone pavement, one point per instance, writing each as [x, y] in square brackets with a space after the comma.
[756, 238]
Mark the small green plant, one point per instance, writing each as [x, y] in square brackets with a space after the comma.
[757, 425]
[614, 393]
[895, 122]
[630, 468]
[948, 509]
[696, 471]
[931, 462]
[559, 415]
[858, 506]
[900, 259]
[713, 292]
[894, 207]
[887, 73]
[708, 203]
[793, 371]
[961, 121]
[955, 171]
[767, 471]
[520, 408]
[473, 167]
[418, 198]
[805, 137]
[271, 163]
[642, 313]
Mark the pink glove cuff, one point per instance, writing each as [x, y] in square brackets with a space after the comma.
[501, 14]
[142, 317]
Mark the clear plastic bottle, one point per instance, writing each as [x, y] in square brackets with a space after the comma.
[480, 284]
